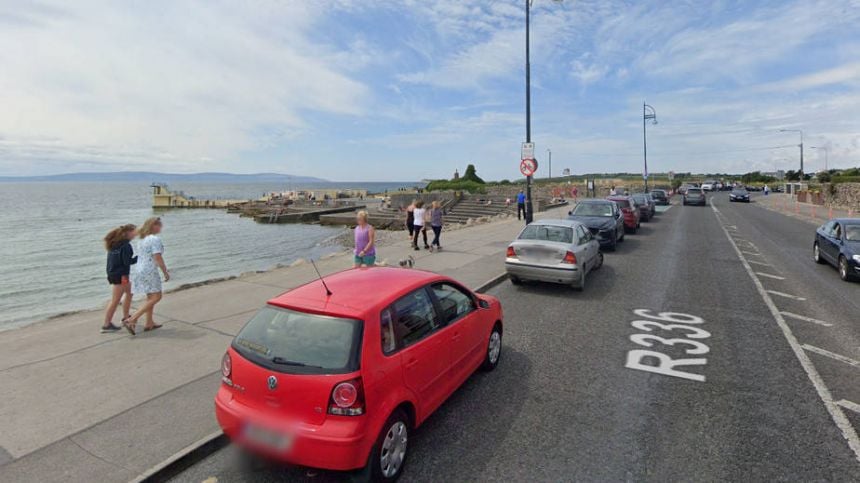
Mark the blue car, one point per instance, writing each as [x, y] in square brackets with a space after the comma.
[837, 242]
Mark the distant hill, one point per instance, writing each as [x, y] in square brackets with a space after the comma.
[149, 176]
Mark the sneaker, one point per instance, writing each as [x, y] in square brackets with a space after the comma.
[110, 329]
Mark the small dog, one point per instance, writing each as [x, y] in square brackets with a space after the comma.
[407, 262]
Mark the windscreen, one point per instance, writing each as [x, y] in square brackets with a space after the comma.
[296, 342]
[593, 209]
[553, 233]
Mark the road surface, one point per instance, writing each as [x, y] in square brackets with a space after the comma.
[758, 374]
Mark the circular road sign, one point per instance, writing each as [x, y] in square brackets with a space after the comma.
[528, 167]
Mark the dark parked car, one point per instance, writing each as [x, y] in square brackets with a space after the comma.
[646, 206]
[660, 197]
[695, 196]
[603, 218]
[740, 194]
[629, 212]
[838, 242]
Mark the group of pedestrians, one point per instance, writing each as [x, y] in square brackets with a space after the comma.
[132, 272]
[418, 218]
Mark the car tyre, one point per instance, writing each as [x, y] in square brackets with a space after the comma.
[612, 246]
[392, 443]
[516, 280]
[844, 272]
[623, 234]
[599, 262]
[580, 285]
[816, 254]
[494, 349]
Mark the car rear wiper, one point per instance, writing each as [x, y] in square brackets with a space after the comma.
[287, 362]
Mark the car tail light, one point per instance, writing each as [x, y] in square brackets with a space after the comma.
[347, 398]
[570, 258]
[226, 365]
[511, 253]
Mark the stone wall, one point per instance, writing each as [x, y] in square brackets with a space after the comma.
[842, 195]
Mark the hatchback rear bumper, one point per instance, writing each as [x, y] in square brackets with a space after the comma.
[338, 444]
[543, 273]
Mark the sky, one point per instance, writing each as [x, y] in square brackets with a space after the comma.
[361, 90]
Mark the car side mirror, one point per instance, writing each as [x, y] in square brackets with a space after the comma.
[483, 304]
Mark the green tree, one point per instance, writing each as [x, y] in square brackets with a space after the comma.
[471, 175]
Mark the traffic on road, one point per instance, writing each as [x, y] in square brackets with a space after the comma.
[685, 369]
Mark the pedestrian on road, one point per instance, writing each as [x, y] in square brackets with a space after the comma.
[365, 241]
[521, 205]
[145, 278]
[766, 190]
[420, 227]
[120, 258]
[436, 224]
[612, 191]
[410, 218]
[574, 192]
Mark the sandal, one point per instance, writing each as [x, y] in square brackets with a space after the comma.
[129, 326]
[154, 326]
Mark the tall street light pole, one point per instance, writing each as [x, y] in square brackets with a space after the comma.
[529, 205]
[549, 158]
[648, 113]
[826, 154]
[800, 131]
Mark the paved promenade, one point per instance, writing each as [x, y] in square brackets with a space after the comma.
[80, 406]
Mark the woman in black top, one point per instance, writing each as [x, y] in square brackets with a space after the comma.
[120, 258]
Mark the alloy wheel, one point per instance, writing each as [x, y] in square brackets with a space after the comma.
[393, 450]
[494, 348]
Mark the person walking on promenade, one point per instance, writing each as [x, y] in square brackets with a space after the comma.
[365, 241]
[120, 258]
[145, 278]
[410, 218]
[766, 190]
[436, 224]
[613, 191]
[521, 205]
[420, 228]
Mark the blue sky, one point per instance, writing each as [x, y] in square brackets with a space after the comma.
[403, 90]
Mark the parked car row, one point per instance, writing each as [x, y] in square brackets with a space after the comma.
[566, 251]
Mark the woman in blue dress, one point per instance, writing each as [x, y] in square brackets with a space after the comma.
[145, 278]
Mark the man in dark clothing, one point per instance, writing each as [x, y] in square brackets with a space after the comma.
[521, 205]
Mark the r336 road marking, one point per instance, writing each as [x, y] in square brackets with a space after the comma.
[684, 333]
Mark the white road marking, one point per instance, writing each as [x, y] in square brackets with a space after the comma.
[806, 319]
[775, 277]
[751, 253]
[849, 405]
[839, 418]
[786, 295]
[760, 263]
[832, 355]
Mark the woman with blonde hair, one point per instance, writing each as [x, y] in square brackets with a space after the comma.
[365, 241]
[120, 258]
[145, 279]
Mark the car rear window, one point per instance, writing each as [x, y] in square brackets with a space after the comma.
[552, 233]
[593, 209]
[694, 190]
[300, 343]
[622, 203]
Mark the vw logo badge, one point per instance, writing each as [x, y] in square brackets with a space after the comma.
[272, 382]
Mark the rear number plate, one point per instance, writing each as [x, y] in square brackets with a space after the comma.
[266, 437]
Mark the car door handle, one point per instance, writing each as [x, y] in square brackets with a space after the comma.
[411, 363]
[456, 336]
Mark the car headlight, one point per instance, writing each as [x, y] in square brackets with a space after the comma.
[856, 258]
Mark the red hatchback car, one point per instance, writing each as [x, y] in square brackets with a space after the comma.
[629, 210]
[335, 376]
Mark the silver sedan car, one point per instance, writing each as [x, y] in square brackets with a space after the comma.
[557, 251]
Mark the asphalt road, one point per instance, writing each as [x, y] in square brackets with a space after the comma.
[755, 401]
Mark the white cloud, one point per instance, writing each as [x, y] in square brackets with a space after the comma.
[173, 83]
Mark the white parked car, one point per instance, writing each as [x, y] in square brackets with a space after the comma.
[707, 186]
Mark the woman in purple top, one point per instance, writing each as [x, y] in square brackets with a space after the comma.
[365, 241]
